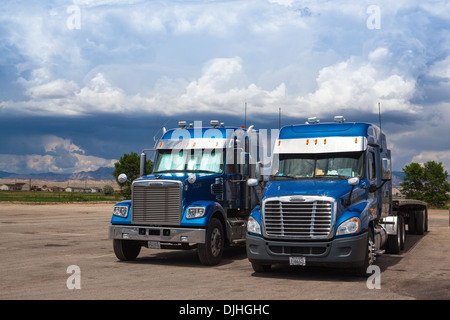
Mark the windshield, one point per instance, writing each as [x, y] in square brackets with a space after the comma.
[190, 160]
[316, 166]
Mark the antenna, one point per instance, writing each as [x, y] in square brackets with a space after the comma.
[245, 116]
[379, 114]
[279, 118]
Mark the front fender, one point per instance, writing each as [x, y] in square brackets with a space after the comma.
[211, 207]
[256, 214]
[120, 220]
[361, 210]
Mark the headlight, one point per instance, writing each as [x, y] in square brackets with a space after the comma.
[195, 212]
[349, 226]
[253, 226]
[120, 211]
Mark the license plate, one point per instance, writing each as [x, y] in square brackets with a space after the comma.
[297, 261]
[154, 245]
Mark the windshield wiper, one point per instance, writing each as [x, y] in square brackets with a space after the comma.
[167, 171]
[331, 176]
[287, 177]
[202, 171]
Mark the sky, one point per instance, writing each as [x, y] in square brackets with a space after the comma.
[82, 82]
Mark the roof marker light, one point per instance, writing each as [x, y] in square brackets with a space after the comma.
[313, 120]
[339, 119]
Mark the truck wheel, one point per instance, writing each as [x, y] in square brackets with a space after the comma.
[369, 258]
[260, 268]
[412, 223]
[420, 222]
[401, 221]
[126, 250]
[210, 252]
[395, 241]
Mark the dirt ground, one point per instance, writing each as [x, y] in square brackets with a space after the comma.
[40, 243]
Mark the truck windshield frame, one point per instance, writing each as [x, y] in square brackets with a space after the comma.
[340, 165]
[190, 160]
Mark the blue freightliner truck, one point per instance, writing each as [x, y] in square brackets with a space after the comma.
[197, 195]
[328, 200]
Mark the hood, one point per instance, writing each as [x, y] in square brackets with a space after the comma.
[331, 188]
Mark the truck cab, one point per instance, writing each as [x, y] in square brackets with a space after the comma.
[196, 196]
[328, 199]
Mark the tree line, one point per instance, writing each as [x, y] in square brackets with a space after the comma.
[427, 182]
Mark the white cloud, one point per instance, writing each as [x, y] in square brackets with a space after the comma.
[438, 156]
[224, 87]
[282, 2]
[60, 156]
[441, 68]
[55, 89]
[356, 84]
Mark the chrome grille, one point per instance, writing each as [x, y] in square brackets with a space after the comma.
[157, 203]
[286, 218]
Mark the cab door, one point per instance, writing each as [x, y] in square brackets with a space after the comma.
[374, 177]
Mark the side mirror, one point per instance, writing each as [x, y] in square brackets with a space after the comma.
[354, 181]
[252, 182]
[385, 169]
[122, 178]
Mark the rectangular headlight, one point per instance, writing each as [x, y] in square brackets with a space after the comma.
[120, 211]
[195, 212]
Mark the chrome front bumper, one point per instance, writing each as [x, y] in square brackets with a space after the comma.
[160, 234]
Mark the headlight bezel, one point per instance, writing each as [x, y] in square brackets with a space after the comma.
[253, 226]
[120, 211]
[349, 226]
[195, 212]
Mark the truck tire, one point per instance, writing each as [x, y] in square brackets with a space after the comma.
[210, 252]
[412, 222]
[394, 243]
[126, 250]
[369, 258]
[401, 221]
[420, 222]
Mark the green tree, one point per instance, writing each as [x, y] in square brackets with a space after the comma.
[435, 184]
[130, 165]
[412, 184]
[427, 183]
[108, 190]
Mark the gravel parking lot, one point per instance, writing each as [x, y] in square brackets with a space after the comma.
[38, 243]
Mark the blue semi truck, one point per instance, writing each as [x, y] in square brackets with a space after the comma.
[197, 195]
[329, 201]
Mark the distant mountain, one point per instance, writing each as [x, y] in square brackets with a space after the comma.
[397, 177]
[103, 173]
[4, 174]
